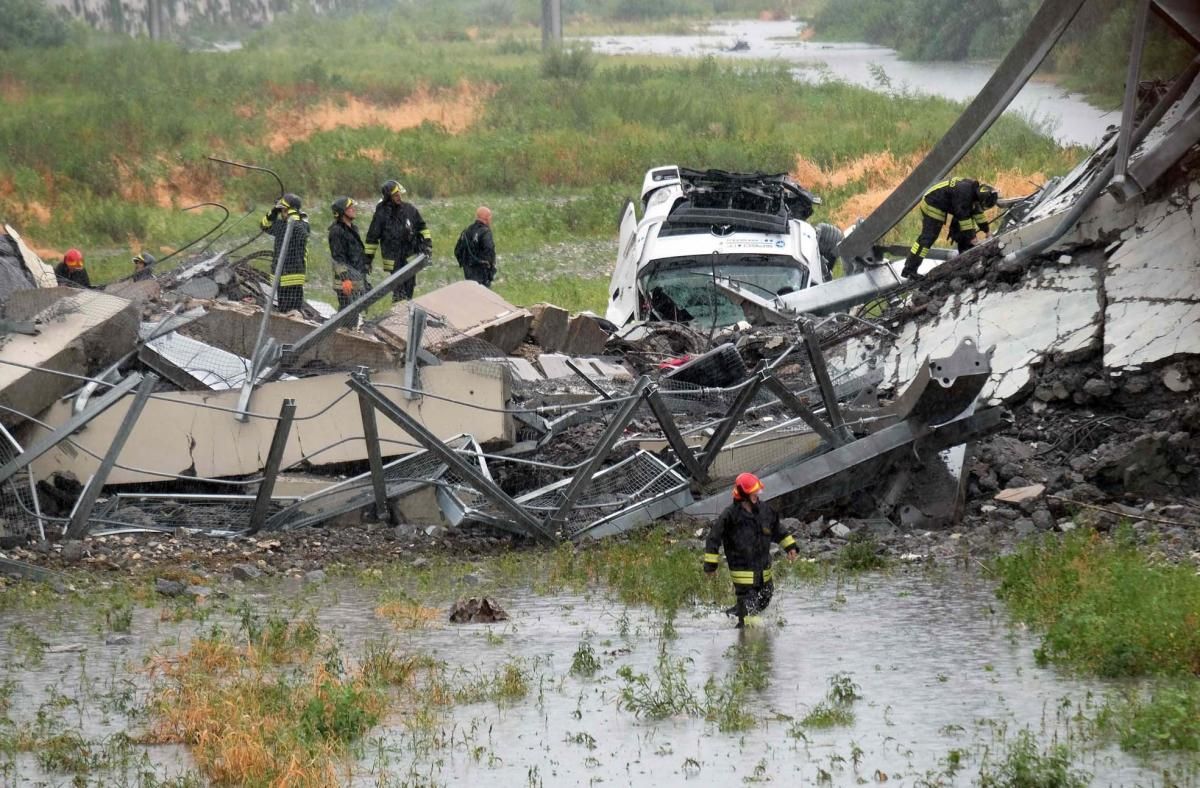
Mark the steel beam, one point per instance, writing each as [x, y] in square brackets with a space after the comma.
[674, 437]
[583, 477]
[395, 279]
[821, 375]
[412, 351]
[1183, 15]
[420, 434]
[714, 445]
[797, 406]
[69, 427]
[266, 488]
[374, 453]
[79, 524]
[1129, 105]
[1014, 71]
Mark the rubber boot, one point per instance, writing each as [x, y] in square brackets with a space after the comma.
[912, 266]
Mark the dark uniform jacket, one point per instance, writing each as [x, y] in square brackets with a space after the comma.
[957, 198]
[746, 537]
[397, 232]
[295, 261]
[77, 276]
[346, 250]
[476, 247]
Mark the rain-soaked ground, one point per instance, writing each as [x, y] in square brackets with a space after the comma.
[1069, 117]
[933, 674]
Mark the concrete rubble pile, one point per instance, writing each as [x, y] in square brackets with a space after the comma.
[1048, 376]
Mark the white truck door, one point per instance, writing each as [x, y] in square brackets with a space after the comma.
[622, 290]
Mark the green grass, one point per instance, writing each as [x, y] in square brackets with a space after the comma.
[1104, 606]
[555, 149]
[1025, 765]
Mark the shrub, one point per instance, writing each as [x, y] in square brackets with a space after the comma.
[30, 23]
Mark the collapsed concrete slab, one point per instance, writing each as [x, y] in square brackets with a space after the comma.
[234, 328]
[80, 332]
[1153, 286]
[549, 327]
[584, 337]
[469, 310]
[1058, 311]
[41, 274]
[182, 433]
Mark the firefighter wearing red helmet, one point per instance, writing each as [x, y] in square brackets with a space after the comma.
[71, 271]
[746, 530]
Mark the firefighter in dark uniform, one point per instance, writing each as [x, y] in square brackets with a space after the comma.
[142, 267]
[295, 258]
[746, 530]
[398, 232]
[350, 263]
[476, 250]
[71, 270]
[963, 201]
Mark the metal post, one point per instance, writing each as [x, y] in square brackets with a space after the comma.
[68, 428]
[717, 441]
[674, 437]
[797, 406]
[262, 502]
[583, 477]
[257, 358]
[384, 288]
[551, 24]
[374, 453]
[78, 527]
[421, 435]
[821, 374]
[1125, 135]
[596, 387]
[412, 351]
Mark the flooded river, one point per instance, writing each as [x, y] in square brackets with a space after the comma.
[1071, 119]
[930, 673]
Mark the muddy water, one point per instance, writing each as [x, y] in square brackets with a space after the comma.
[1071, 119]
[937, 666]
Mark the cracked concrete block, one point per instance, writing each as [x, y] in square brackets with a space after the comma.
[80, 332]
[549, 327]
[1153, 289]
[1057, 311]
[469, 309]
[585, 337]
[554, 365]
[177, 434]
[234, 328]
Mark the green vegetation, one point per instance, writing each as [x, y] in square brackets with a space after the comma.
[1105, 607]
[1092, 55]
[102, 144]
[29, 23]
[1026, 765]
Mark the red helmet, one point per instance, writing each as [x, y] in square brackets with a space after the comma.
[746, 485]
[73, 258]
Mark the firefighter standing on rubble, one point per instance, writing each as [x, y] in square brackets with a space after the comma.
[295, 257]
[71, 270]
[350, 263]
[963, 201]
[398, 232]
[746, 530]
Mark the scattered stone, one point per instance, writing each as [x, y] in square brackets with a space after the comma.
[420, 563]
[1024, 527]
[840, 530]
[169, 587]
[1097, 388]
[245, 572]
[72, 551]
[198, 592]
[314, 576]
[1043, 519]
[477, 610]
[1176, 379]
[118, 640]
[1022, 493]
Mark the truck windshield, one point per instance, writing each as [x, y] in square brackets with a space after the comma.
[683, 291]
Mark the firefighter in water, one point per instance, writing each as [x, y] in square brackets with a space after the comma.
[71, 271]
[746, 530]
[295, 257]
[398, 232]
[350, 263]
[962, 201]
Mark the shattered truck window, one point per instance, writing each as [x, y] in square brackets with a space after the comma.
[683, 292]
